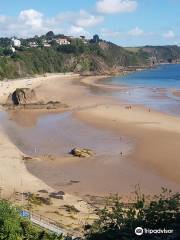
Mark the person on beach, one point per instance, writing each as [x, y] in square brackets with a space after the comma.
[128, 107]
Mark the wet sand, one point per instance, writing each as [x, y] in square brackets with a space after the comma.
[52, 137]
[57, 134]
[158, 135]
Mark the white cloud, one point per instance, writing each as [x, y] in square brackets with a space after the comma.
[80, 19]
[105, 32]
[3, 19]
[169, 35]
[116, 6]
[87, 20]
[136, 32]
[30, 22]
[76, 31]
[31, 18]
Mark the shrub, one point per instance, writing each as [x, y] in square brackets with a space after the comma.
[118, 221]
[13, 227]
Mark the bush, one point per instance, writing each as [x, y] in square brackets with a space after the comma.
[118, 221]
[10, 227]
[13, 227]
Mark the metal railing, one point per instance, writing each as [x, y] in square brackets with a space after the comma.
[47, 223]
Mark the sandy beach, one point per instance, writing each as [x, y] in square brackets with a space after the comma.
[157, 134]
[15, 178]
[152, 162]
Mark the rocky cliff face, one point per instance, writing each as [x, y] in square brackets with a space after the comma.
[165, 54]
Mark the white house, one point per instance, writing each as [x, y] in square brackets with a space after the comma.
[16, 42]
[63, 41]
[46, 43]
[33, 44]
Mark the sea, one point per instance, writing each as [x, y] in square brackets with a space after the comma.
[153, 88]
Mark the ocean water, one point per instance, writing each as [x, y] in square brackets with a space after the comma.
[153, 88]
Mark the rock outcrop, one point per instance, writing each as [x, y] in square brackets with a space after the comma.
[22, 96]
[27, 98]
[81, 152]
[57, 195]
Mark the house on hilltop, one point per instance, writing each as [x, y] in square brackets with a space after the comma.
[16, 42]
[46, 43]
[63, 41]
[33, 44]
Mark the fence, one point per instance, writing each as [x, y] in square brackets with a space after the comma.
[45, 223]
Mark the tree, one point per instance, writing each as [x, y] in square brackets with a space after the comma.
[7, 52]
[50, 35]
[118, 221]
[13, 227]
[10, 227]
[96, 38]
[5, 42]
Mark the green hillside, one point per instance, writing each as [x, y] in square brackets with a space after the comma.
[83, 56]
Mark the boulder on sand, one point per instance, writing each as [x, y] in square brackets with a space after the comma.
[22, 96]
[81, 152]
[26, 98]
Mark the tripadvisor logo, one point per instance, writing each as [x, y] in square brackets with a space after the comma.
[140, 231]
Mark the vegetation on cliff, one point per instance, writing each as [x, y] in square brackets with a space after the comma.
[45, 54]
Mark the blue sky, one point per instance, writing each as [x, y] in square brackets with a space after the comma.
[125, 22]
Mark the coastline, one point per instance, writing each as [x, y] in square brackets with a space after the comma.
[104, 112]
[153, 126]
